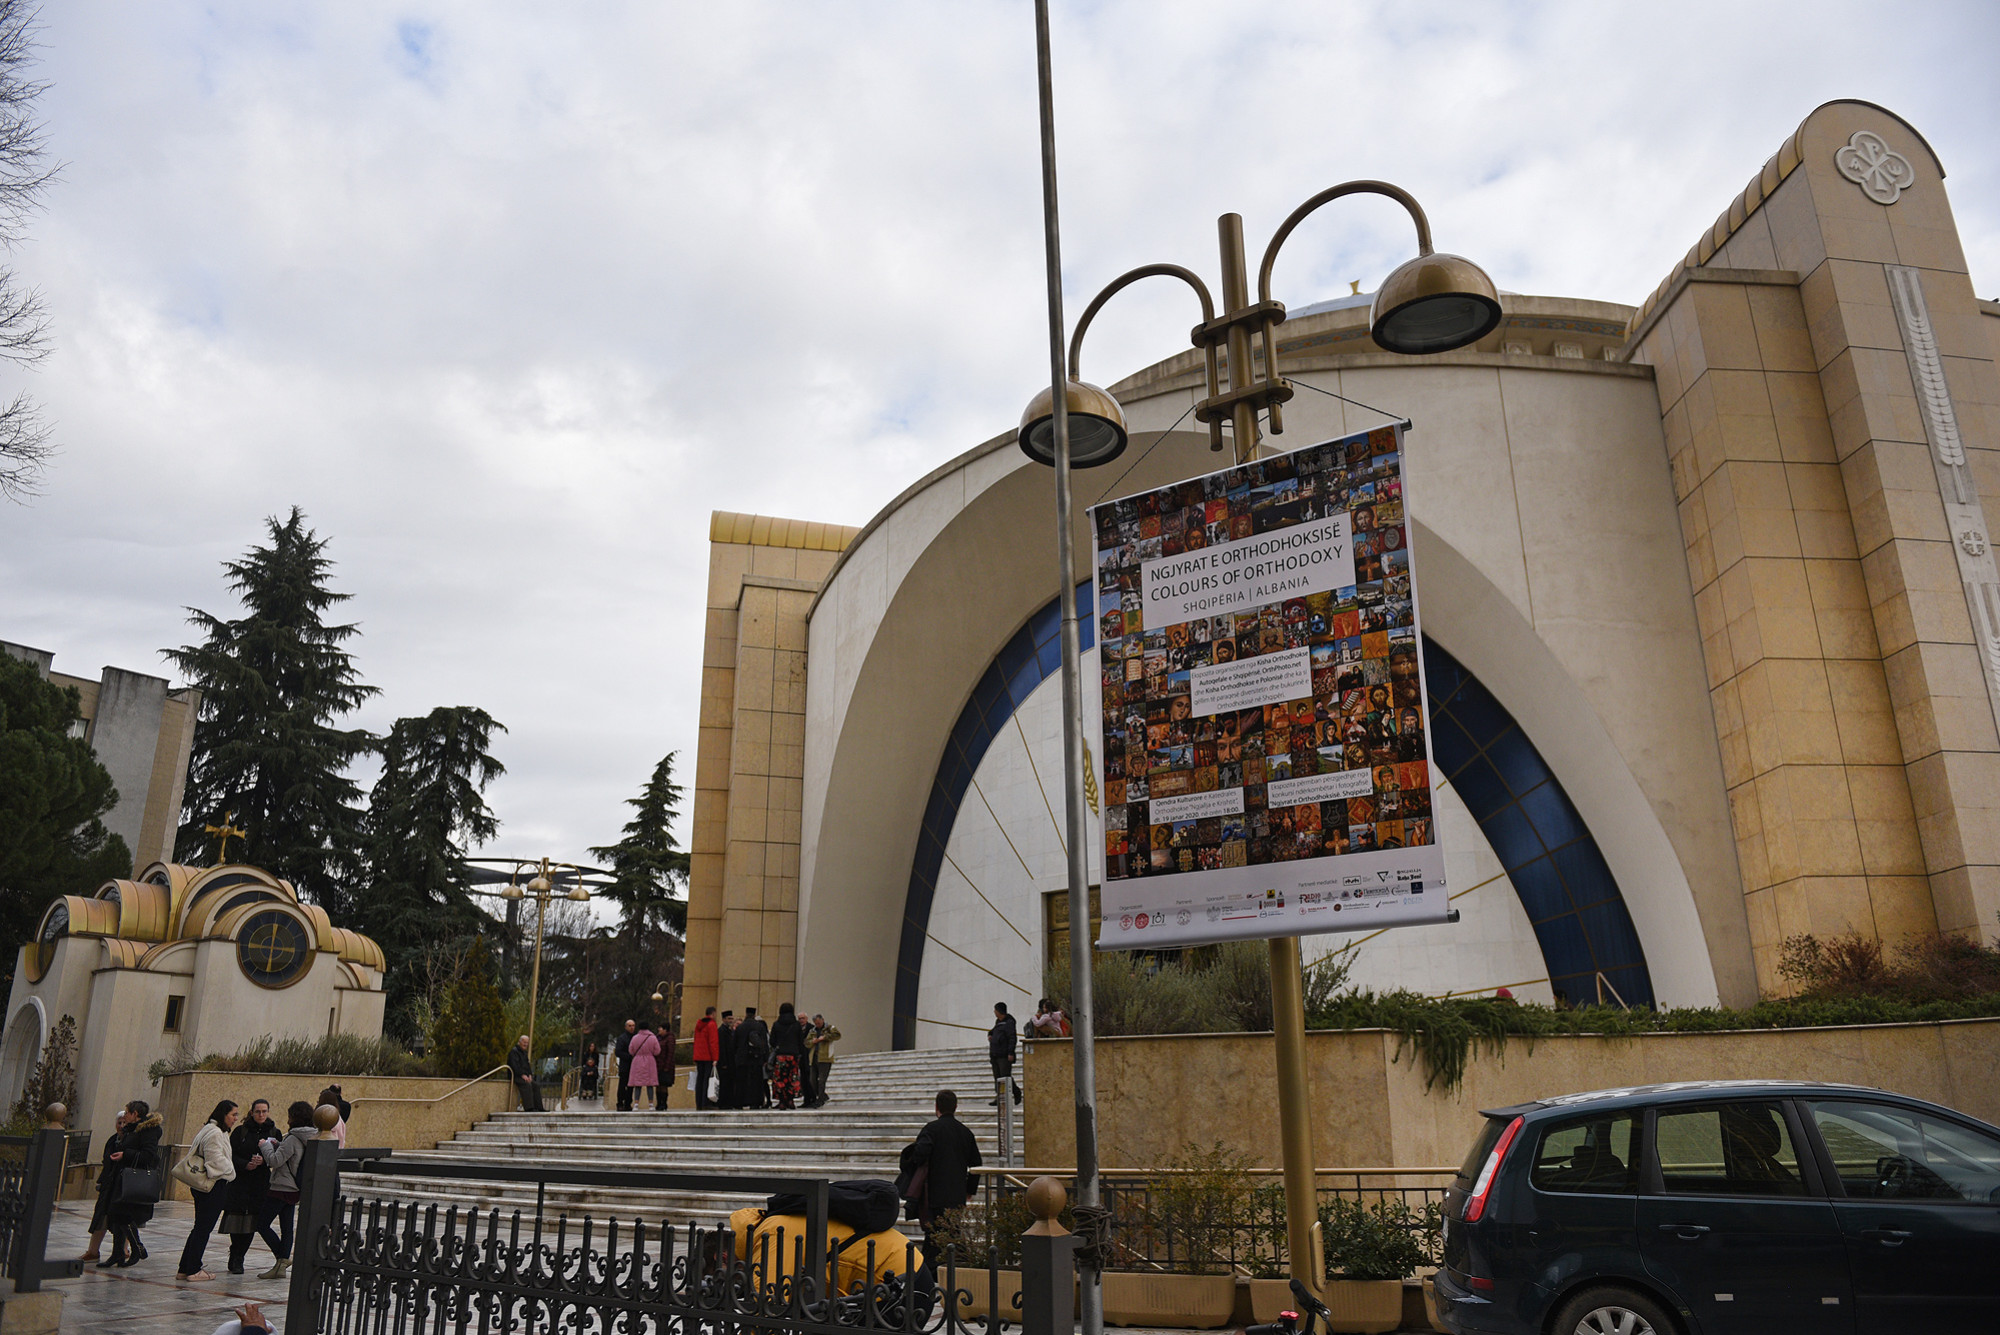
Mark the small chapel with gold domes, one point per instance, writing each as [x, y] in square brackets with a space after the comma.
[202, 959]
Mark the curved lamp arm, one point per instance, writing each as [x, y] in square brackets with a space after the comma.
[1118, 285]
[1124, 281]
[1299, 214]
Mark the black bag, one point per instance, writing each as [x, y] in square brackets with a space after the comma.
[137, 1186]
[866, 1205]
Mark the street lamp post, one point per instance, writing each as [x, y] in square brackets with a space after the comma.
[1433, 303]
[541, 889]
[663, 992]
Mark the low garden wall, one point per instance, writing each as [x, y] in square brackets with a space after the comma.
[1371, 1106]
[379, 1119]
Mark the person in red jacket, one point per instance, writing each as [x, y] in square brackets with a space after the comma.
[707, 1049]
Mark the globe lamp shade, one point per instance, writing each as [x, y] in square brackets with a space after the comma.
[1433, 304]
[1096, 427]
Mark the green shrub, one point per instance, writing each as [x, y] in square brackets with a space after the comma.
[1207, 990]
[1200, 1206]
[54, 1078]
[331, 1054]
[1933, 967]
[472, 1036]
[1377, 1240]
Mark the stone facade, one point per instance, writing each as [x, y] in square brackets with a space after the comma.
[743, 890]
[1720, 558]
[1857, 726]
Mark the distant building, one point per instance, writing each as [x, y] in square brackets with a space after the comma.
[1711, 638]
[202, 959]
[142, 730]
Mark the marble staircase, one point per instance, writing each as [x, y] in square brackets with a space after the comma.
[877, 1104]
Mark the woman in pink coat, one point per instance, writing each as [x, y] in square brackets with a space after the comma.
[645, 1068]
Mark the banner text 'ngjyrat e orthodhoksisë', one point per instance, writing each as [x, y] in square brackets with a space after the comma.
[1267, 764]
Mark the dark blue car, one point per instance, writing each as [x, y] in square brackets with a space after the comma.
[1724, 1207]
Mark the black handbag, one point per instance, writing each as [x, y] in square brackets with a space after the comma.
[137, 1186]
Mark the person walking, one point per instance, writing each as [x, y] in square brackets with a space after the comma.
[623, 1051]
[820, 1041]
[208, 1165]
[788, 1047]
[138, 1150]
[107, 1184]
[522, 1063]
[586, 1084]
[645, 1077]
[250, 1145]
[707, 1047]
[728, 1040]
[282, 1199]
[946, 1151]
[753, 1089]
[1002, 1041]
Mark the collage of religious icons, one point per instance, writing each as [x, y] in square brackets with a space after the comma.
[1366, 711]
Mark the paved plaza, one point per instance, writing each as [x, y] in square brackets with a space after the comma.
[146, 1297]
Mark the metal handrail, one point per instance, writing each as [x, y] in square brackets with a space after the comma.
[433, 1098]
[1243, 1172]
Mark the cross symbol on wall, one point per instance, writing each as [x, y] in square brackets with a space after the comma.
[269, 949]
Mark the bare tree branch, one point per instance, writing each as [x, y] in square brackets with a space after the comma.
[25, 176]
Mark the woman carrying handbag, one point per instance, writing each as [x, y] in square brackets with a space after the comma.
[208, 1165]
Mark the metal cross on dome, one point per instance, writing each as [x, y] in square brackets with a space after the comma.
[1881, 172]
[226, 831]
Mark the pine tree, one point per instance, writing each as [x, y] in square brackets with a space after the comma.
[53, 796]
[425, 813]
[267, 754]
[648, 863]
[54, 1077]
[472, 1035]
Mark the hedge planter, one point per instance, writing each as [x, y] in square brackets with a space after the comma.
[1199, 1302]
[1365, 1304]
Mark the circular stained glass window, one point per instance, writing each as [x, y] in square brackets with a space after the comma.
[273, 948]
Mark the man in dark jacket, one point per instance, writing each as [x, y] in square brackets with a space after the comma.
[1000, 1046]
[753, 1046]
[623, 1052]
[726, 1041]
[522, 1064]
[948, 1151]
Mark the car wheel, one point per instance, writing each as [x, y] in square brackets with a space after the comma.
[1613, 1312]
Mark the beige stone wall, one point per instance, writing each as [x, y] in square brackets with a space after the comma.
[396, 1112]
[1858, 735]
[744, 885]
[1371, 1106]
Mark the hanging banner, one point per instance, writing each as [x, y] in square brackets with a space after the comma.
[1266, 742]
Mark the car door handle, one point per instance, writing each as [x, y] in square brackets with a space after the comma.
[1888, 1237]
[1688, 1231]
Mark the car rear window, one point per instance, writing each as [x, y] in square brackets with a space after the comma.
[1591, 1154]
[1482, 1145]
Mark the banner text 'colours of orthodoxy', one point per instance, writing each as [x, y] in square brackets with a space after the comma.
[1267, 762]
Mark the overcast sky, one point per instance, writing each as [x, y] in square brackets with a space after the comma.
[509, 296]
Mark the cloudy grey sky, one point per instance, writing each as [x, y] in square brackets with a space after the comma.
[509, 296]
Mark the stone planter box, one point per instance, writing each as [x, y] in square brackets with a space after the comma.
[1198, 1302]
[1365, 1304]
[978, 1283]
[1356, 1304]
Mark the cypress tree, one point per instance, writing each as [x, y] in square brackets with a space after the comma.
[648, 863]
[268, 755]
[425, 813]
[53, 797]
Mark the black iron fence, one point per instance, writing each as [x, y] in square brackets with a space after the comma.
[1168, 1222]
[365, 1264]
[31, 1169]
